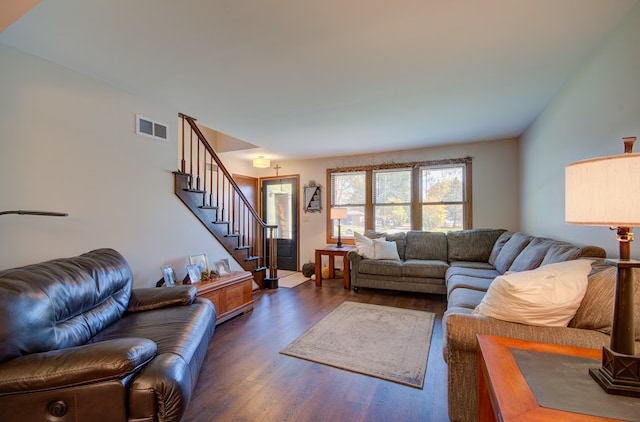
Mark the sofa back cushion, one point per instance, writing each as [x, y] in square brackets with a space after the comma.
[426, 245]
[497, 247]
[61, 303]
[472, 245]
[534, 253]
[511, 250]
[596, 309]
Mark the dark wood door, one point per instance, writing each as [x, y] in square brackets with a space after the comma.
[280, 208]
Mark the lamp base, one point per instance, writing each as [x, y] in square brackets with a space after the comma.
[619, 373]
[339, 245]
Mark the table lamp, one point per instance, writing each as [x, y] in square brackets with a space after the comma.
[338, 214]
[605, 191]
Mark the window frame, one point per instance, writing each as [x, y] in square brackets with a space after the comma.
[415, 204]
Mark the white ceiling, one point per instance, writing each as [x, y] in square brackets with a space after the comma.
[314, 78]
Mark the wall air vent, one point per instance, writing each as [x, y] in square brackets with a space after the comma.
[148, 127]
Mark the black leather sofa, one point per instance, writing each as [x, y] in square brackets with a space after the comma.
[77, 343]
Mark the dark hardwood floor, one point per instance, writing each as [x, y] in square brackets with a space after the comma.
[244, 378]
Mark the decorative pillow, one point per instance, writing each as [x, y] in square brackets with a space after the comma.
[364, 245]
[546, 296]
[596, 309]
[384, 249]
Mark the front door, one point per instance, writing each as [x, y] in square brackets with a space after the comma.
[280, 208]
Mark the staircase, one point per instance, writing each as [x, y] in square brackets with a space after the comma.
[205, 186]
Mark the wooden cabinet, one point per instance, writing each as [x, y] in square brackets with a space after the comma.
[232, 294]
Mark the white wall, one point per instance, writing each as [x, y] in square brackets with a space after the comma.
[597, 108]
[68, 144]
[495, 184]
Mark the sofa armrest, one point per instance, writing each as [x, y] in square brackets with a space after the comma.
[462, 329]
[145, 299]
[354, 257]
[90, 363]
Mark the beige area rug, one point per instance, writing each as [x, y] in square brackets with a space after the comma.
[380, 341]
[290, 279]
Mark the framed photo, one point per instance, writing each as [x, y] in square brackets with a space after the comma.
[222, 267]
[201, 261]
[195, 275]
[169, 275]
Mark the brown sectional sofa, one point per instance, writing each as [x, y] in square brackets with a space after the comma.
[463, 265]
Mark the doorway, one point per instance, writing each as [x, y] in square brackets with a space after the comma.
[280, 208]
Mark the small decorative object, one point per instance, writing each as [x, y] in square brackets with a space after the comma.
[169, 275]
[201, 261]
[338, 214]
[312, 193]
[195, 275]
[603, 192]
[222, 266]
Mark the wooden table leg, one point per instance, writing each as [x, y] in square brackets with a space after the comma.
[318, 268]
[332, 267]
[345, 272]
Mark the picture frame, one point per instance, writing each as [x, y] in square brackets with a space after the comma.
[194, 273]
[169, 275]
[222, 267]
[201, 261]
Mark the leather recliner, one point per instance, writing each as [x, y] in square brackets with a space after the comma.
[78, 343]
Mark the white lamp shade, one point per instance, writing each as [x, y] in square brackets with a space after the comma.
[261, 162]
[603, 191]
[338, 213]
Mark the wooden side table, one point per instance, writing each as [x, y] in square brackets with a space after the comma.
[505, 395]
[231, 294]
[331, 252]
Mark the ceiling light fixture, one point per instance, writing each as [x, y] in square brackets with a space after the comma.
[261, 162]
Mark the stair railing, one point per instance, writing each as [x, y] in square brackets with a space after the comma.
[221, 194]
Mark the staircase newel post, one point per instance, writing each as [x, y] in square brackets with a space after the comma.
[183, 163]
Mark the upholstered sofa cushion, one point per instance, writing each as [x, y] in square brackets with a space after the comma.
[424, 268]
[532, 255]
[511, 250]
[497, 247]
[472, 245]
[561, 252]
[61, 303]
[426, 245]
[489, 273]
[385, 267]
[596, 309]
[465, 298]
[468, 282]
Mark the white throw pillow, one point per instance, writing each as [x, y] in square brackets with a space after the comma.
[384, 249]
[364, 245]
[546, 296]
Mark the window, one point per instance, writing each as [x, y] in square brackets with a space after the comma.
[349, 190]
[431, 196]
[442, 198]
[392, 200]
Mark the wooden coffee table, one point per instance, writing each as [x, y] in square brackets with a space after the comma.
[504, 393]
[331, 252]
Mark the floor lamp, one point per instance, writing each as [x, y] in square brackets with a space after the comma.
[605, 191]
[338, 214]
